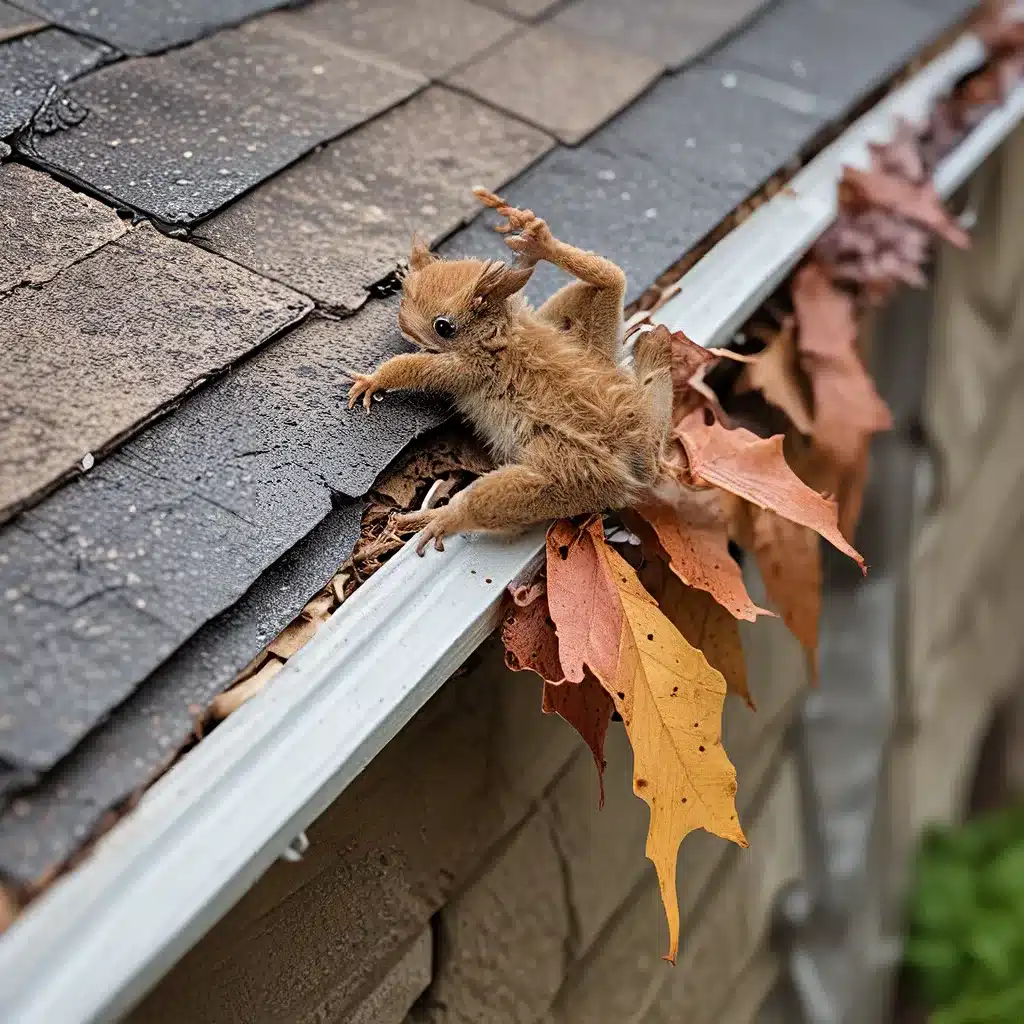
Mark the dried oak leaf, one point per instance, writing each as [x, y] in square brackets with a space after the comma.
[755, 469]
[690, 362]
[531, 644]
[918, 203]
[693, 534]
[669, 697]
[775, 372]
[847, 408]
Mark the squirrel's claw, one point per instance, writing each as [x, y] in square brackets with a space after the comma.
[364, 387]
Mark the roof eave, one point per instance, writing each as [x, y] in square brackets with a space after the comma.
[91, 947]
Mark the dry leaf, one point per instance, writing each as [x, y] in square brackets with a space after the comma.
[669, 697]
[756, 469]
[8, 909]
[229, 701]
[919, 203]
[530, 642]
[528, 633]
[776, 374]
[847, 408]
[694, 536]
[588, 709]
[789, 558]
[706, 625]
[690, 362]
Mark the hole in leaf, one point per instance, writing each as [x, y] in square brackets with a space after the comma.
[701, 749]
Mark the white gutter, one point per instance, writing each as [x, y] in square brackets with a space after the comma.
[92, 945]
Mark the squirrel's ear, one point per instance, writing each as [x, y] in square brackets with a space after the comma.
[420, 254]
[499, 281]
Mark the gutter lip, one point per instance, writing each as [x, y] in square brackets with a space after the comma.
[95, 943]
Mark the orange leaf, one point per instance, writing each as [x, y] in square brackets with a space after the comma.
[847, 408]
[789, 557]
[756, 469]
[531, 644]
[588, 709]
[669, 697]
[694, 536]
[776, 374]
[919, 203]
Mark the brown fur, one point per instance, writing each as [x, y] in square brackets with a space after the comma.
[572, 431]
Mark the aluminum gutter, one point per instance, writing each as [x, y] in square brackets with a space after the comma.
[92, 945]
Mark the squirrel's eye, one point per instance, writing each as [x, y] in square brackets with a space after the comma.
[444, 327]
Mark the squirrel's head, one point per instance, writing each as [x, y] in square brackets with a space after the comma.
[457, 304]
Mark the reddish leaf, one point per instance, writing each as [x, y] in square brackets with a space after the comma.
[918, 203]
[587, 707]
[531, 644]
[693, 534]
[690, 362]
[847, 409]
[755, 469]
[530, 641]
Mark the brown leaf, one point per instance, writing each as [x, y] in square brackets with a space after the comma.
[706, 625]
[847, 408]
[294, 637]
[531, 644]
[789, 557]
[8, 909]
[587, 707]
[669, 697]
[756, 469]
[690, 362]
[776, 374]
[693, 534]
[918, 203]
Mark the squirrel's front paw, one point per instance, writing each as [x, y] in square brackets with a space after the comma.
[434, 523]
[365, 387]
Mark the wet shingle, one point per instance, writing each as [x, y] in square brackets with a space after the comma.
[114, 338]
[836, 52]
[47, 227]
[180, 135]
[667, 30]
[15, 22]
[559, 81]
[429, 36]
[341, 219]
[712, 126]
[622, 207]
[147, 27]
[30, 65]
[45, 824]
[103, 580]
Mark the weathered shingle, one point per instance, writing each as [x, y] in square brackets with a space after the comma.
[30, 65]
[103, 580]
[621, 206]
[43, 826]
[47, 227]
[428, 36]
[530, 9]
[667, 30]
[114, 338]
[340, 220]
[557, 80]
[180, 135]
[149, 25]
[836, 52]
[16, 22]
[712, 127]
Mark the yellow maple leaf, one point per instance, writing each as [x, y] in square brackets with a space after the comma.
[669, 697]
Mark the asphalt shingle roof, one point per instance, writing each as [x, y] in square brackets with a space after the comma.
[284, 158]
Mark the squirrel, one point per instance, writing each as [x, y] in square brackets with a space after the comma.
[572, 431]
